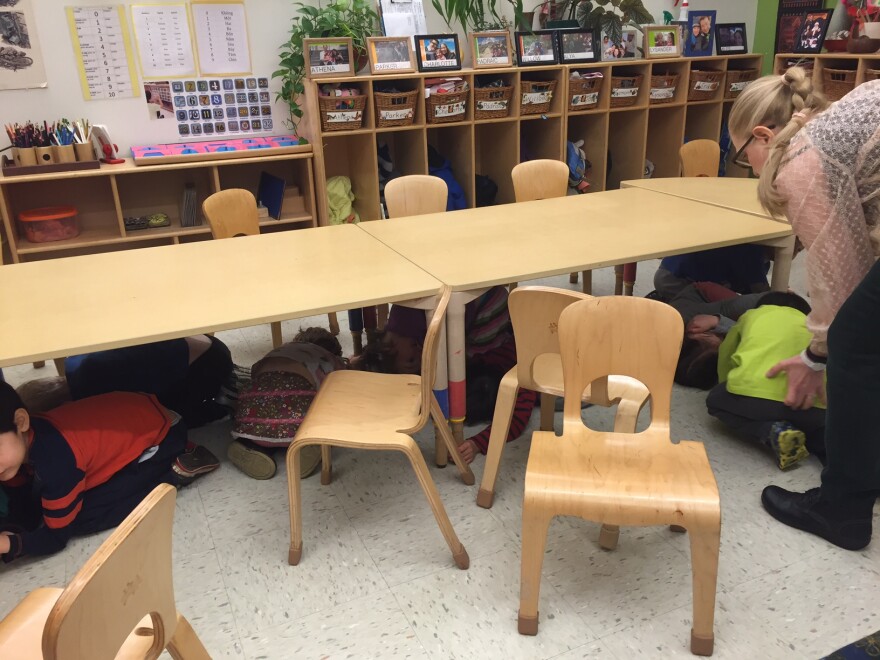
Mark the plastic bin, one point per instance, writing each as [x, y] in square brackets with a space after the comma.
[53, 223]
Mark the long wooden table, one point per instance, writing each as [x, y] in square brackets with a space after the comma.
[731, 193]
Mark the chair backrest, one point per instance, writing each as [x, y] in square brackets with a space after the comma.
[232, 212]
[540, 179]
[127, 578]
[416, 194]
[619, 335]
[700, 158]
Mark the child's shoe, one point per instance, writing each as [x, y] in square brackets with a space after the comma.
[255, 461]
[194, 463]
[788, 443]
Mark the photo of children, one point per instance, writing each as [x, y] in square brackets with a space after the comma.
[158, 95]
[812, 34]
[661, 42]
[329, 57]
[625, 48]
[577, 46]
[731, 38]
[536, 47]
[438, 53]
[492, 50]
[700, 38]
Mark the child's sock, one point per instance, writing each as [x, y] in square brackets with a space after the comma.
[788, 443]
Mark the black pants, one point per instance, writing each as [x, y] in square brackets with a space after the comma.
[753, 417]
[193, 397]
[852, 432]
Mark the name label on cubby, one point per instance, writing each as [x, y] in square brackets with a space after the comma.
[344, 117]
[392, 66]
[449, 110]
[584, 99]
[391, 115]
[662, 92]
[739, 86]
[624, 92]
[534, 98]
[701, 86]
[485, 61]
[488, 106]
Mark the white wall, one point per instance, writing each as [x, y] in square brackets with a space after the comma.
[268, 22]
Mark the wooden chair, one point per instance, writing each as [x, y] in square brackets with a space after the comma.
[544, 179]
[534, 312]
[617, 478]
[378, 411]
[232, 213]
[416, 194]
[121, 600]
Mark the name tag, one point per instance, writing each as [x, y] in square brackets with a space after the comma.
[624, 92]
[491, 105]
[390, 115]
[534, 98]
[344, 117]
[705, 86]
[449, 110]
[584, 99]
[739, 86]
[662, 92]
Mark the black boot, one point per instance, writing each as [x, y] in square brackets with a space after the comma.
[845, 524]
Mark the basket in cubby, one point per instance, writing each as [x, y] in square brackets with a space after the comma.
[395, 109]
[342, 113]
[583, 93]
[872, 74]
[704, 84]
[492, 102]
[536, 96]
[663, 88]
[737, 81]
[625, 90]
[446, 108]
[837, 83]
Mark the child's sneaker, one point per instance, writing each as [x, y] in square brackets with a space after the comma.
[193, 464]
[788, 443]
[255, 461]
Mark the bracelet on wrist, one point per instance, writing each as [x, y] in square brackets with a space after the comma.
[815, 357]
[815, 366]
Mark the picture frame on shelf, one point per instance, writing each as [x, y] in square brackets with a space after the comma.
[662, 41]
[700, 35]
[730, 38]
[437, 52]
[789, 20]
[576, 46]
[492, 49]
[625, 49]
[390, 55]
[536, 48]
[330, 56]
[814, 27]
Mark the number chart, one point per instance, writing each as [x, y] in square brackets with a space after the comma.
[106, 66]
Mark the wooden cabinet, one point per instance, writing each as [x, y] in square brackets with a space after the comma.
[864, 67]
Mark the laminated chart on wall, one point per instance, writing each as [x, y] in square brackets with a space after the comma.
[21, 61]
[103, 48]
[220, 28]
[163, 41]
[222, 106]
[403, 19]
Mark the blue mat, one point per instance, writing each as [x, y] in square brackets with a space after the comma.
[866, 647]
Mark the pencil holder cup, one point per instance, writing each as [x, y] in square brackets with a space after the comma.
[84, 151]
[24, 156]
[64, 153]
[45, 155]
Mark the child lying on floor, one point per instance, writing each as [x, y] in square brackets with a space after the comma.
[84, 466]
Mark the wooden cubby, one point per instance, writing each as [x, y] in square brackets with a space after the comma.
[104, 197]
[861, 64]
[493, 147]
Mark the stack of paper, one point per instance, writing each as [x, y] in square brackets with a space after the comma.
[189, 211]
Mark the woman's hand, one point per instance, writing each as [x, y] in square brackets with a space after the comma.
[805, 386]
[5, 543]
[701, 323]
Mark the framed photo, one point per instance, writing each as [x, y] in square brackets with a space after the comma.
[813, 30]
[534, 48]
[329, 57]
[700, 38]
[624, 49]
[662, 41]
[576, 46]
[491, 49]
[730, 38]
[438, 52]
[789, 21]
[390, 55]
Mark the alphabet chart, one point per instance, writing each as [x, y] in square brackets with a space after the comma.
[221, 37]
[100, 37]
[164, 41]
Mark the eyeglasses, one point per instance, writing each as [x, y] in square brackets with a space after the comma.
[740, 157]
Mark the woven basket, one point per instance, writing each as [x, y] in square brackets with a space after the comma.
[837, 83]
[536, 96]
[737, 81]
[583, 93]
[872, 74]
[625, 90]
[663, 88]
[704, 84]
[342, 113]
[446, 108]
[492, 102]
[397, 109]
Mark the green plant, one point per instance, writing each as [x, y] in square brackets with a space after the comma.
[608, 16]
[339, 18]
[473, 16]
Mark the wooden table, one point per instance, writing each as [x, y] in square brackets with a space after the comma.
[731, 193]
[479, 248]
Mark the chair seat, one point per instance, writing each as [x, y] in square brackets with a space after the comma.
[625, 481]
[21, 632]
[547, 374]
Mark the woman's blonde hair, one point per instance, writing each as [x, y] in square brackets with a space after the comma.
[774, 101]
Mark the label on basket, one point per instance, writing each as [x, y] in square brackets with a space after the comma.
[344, 117]
[489, 106]
[534, 98]
[739, 86]
[624, 92]
[662, 92]
[705, 86]
[393, 115]
[584, 99]
[449, 110]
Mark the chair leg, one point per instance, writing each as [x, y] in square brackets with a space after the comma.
[334, 323]
[459, 554]
[277, 340]
[357, 341]
[59, 366]
[295, 502]
[548, 411]
[504, 405]
[186, 645]
[382, 312]
[627, 417]
[441, 454]
[326, 465]
[705, 537]
[40, 364]
[608, 537]
[618, 280]
[512, 286]
[588, 282]
[534, 540]
[442, 428]
[573, 278]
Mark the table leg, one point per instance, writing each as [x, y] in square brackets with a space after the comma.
[441, 391]
[356, 325]
[783, 254]
[457, 356]
[629, 278]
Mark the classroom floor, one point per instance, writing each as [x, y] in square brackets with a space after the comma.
[377, 581]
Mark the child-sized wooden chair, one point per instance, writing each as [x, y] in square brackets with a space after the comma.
[233, 212]
[545, 179]
[378, 411]
[416, 194]
[121, 601]
[621, 478]
[534, 312]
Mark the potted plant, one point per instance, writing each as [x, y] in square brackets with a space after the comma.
[338, 18]
[608, 16]
[474, 17]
